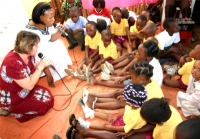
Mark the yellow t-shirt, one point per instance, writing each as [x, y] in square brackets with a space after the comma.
[119, 29]
[109, 51]
[167, 129]
[153, 90]
[148, 22]
[134, 29]
[185, 71]
[93, 42]
[132, 119]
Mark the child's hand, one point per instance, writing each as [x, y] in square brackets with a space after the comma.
[108, 127]
[120, 134]
[120, 97]
[119, 48]
[87, 61]
[119, 80]
[112, 118]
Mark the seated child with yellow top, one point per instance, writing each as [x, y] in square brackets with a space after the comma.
[135, 34]
[146, 13]
[126, 119]
[92, 40]
[184, 71]
[120, 31]
[107, 50]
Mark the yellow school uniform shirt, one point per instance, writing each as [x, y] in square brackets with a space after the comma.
[119, 29]
[153, 90]
[185, 71]
[134, 29]
[132, 119]
[109, 51]
[167, 129]
[93, 42]
[148, 22]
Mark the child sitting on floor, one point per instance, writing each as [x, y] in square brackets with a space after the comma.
[129, 15]
[124, 121]
[146, 51]
[135, 34]
[146, 13]
[92, 40]
[188, 129]
[184, 71]
[120, 31]
[189, 102]
[171, 49]
[140, 73]
[75, 27]
[107, 51]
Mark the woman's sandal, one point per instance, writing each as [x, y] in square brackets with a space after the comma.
[71, 119]
[71, 133]
[3, 112]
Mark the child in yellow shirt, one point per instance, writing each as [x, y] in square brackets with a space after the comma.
[124, 121]
[146, 13]
[92, 40]
[184, 71]
[135, 34]
[107, 50]
[120, 31]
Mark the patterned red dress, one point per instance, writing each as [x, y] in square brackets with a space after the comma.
[25, 104]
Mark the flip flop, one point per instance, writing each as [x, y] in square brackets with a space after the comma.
[69, 132]
[71, 119]
[55, 136]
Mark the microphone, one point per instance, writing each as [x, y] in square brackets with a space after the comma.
[60, 29]
[40, 55]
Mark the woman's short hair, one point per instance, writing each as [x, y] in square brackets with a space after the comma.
[39, 10]
[25, 41]
[142, 67]
[189, 129]
[152, 48]
[156, 110]
[97, 2]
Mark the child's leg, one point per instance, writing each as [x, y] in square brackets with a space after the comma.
[110, 105]
[128, 47]
[106, 83]
[82, 63]
[70, 37]
[95, 134]
[79, 37]
[92, 63]
[169, 82]
[119, 49]
[105, 95]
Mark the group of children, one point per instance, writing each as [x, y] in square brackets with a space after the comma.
[144, 113]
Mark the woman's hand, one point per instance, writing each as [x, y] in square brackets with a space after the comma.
[45, 62]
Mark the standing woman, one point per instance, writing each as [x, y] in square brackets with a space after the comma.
[41, 24]
[19, 93]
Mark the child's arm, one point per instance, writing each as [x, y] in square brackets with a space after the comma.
[136, 35]
[95, 53]
[128, 32]
[147, 128]
[113, 36]
[129, 65]
[105, 59]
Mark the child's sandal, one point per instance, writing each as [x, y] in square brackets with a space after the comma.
[71, 119]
